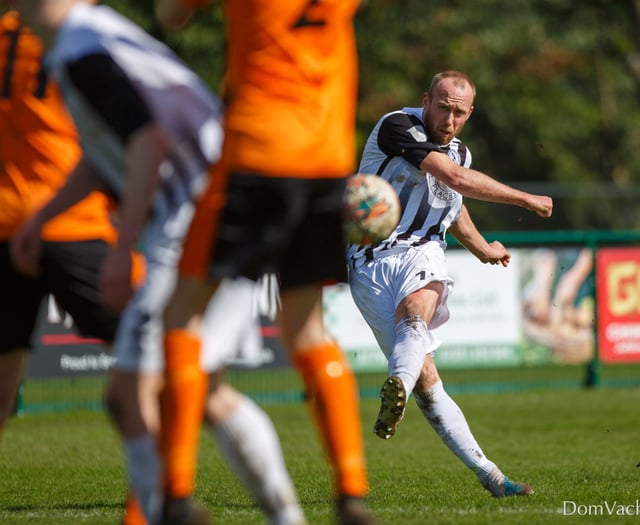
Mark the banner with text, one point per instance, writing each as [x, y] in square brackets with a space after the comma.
[618, 292]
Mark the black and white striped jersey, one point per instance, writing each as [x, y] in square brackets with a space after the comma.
[394, 150]
[115, 78]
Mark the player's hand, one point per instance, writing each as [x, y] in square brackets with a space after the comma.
[496, 254]
[541, 205]
[115, 279]
[26, 247]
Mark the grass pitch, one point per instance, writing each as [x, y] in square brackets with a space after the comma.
[576, 446]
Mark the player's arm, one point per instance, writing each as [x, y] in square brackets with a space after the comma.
[81, 182]
[466, 233]
[404, 135]
[112, 95]
[146, 150]
[476, 185]
[26, 244]
[176, 14]
[109, 91]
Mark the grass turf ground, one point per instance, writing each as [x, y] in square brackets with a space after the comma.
[579, 446]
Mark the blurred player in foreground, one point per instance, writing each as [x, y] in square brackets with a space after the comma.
[150, 129]
[290, 94]
[401, 285]
[38, 149]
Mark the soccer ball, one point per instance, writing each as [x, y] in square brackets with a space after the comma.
[371, 209]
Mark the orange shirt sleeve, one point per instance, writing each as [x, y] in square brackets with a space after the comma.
[39, 146]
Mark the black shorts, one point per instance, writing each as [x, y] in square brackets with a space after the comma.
[69, 272]
[292, 227]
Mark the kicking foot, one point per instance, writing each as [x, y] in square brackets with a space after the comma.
[501, 486]
[354, 511]
[184, 511]
[393, 400]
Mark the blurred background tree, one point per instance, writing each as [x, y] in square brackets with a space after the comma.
[558, 82]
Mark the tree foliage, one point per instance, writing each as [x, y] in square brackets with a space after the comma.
[558, 83]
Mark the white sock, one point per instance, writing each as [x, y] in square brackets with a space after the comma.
[249, 443]
[446, 418]
[413, 341]
[143, 466]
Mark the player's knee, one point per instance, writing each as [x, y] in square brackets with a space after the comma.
[422, 303]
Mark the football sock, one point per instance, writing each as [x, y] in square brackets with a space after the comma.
[250, 445]
[333, 395]
[446, 418]
[133, 514]
[413, 341]
[143, 466]
[182, 406]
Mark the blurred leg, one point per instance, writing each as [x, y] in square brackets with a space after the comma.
[11, 364]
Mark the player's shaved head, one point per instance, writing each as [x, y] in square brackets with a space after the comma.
[459, 78]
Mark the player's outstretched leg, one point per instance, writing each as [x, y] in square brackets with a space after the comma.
[393, 401]
[446, 418]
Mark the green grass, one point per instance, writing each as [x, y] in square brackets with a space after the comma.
[570, 445]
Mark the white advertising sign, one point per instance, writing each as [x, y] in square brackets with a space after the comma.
[485, 303]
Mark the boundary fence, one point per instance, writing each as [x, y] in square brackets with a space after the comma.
[47, 387]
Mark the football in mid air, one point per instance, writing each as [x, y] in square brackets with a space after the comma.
[371, 209]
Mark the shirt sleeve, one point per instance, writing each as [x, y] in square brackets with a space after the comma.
[107, 88]
[403, 135]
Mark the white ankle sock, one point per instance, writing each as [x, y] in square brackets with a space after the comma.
[446, 418]
[143, 466]
[250, 445]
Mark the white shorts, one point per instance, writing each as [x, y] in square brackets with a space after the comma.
[231, 331]
[378, 287]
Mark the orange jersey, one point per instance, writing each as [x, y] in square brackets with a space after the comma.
[290, 87]
[38, 144]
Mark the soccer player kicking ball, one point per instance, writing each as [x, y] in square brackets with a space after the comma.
[401, 285]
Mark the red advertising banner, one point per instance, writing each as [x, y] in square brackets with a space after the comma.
[618, 292]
